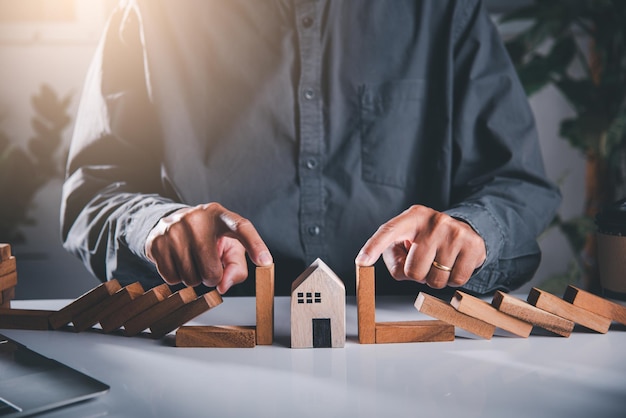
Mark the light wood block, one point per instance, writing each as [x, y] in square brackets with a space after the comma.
[28, 319]
[159, 311]
[222, 336]
[414, 332]
[439, 309]
[366, 304]
[185, 313]
[8, 266]
[150, 298]
[5, 251]
[84, 302]
[8, 281]
[482, 310]
[553, 304]
[522, 310]
[91, 316]
[265, 305]
[596, 304]
[7, 295]
[318, 308]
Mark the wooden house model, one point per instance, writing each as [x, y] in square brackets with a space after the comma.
[318, 308]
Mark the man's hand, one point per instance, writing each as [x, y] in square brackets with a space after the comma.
[427, 246]
[205, 244]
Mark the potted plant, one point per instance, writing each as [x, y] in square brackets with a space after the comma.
[579, 47]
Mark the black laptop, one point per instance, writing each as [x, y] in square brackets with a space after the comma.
[31, 383]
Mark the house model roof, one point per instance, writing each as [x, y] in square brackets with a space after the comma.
[321, 267]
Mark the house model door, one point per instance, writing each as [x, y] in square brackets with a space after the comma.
[321, 333]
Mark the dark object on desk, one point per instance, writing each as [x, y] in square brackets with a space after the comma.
[32, 383]
[611, 236]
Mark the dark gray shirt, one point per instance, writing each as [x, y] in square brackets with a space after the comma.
[318, 120]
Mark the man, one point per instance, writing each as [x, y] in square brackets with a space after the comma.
[294, 129]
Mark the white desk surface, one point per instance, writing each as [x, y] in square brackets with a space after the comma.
[541, 376]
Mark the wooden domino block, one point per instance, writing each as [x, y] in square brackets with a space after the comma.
[366, 304]
[414, 332]
[28, 319]
[596, 304]
[106, 307]
[84, 302]
[150, 298]
[185, 313]
[265, 305]
[482, 310]
[159, 311]
[8, 281]
[553, 304]
[8, 266]
[439, 309]
[5, 251]
[522, 310]
[223, 336]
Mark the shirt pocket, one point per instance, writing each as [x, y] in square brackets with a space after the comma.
[391, 124]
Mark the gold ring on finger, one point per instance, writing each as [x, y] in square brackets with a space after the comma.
[441, 267]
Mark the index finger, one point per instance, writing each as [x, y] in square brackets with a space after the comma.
[399, 229]
[242, 229]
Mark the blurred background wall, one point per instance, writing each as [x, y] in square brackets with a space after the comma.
[50, 42]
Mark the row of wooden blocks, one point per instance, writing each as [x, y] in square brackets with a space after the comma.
[8, 276]
[135, 310]
[478, 317]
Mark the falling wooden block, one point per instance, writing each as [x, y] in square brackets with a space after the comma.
[6, 296]
[159, 311]
[596, 304]
[28, 319]
[150, 298]
[482, 310]
[265, 305]
[84, 302]
[366, 304]
[185, 313]
[414, 332]
[553, 304]
[8, 281]
[522, 310]
[5, 251]
[439, 309]
[222, 336]
[8, 266]
[91, 316]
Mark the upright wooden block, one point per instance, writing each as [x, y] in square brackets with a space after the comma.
[185, 313]
[265, 305]
[150, 298]
[223, 336]
[96, 313]
[596, 304]
[366, 304]
[439, 309]
[482, 310]
[8, 266]
[28, 319]
[414, 332]
[7, 296]
[84, 302]
[553, 304]
[8, 280]
[5, 251]
[522, 310]
[159, 311]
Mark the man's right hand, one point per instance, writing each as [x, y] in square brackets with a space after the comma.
[205, 244]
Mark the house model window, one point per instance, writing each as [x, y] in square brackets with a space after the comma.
[309, 297]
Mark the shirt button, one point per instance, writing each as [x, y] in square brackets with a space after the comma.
[311, 163]
[307, 22]
[314, 230]
[309, 94]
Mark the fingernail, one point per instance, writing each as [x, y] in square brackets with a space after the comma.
[362, 259]
[265, 258]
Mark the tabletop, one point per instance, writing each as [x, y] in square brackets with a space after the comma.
[540, 376]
